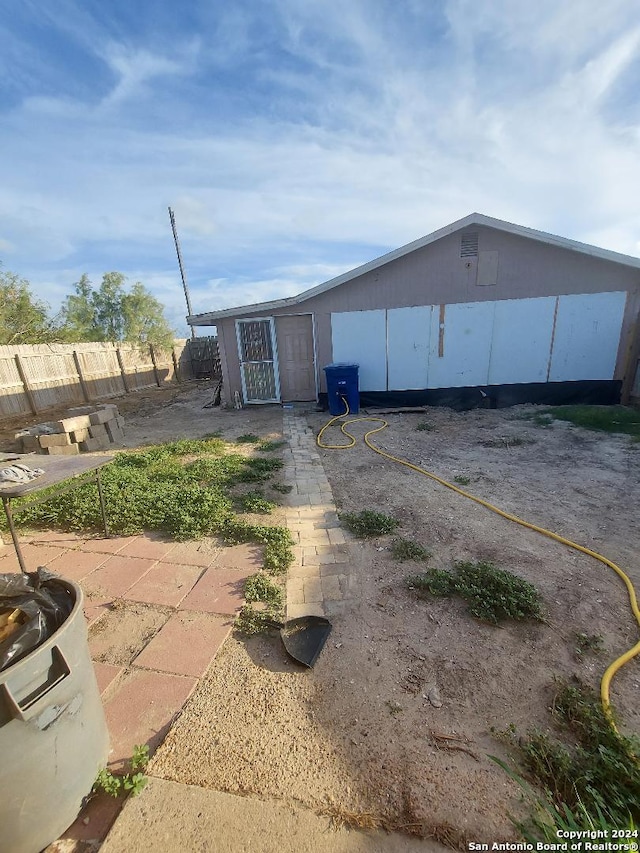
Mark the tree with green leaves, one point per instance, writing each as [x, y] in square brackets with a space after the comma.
[110, 313]
[23, 318]
[79, 313]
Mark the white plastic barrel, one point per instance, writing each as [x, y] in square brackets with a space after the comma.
[53, 736]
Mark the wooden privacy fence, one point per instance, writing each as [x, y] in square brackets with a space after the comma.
[34, 378]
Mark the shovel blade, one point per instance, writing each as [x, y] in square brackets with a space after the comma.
[304, 638]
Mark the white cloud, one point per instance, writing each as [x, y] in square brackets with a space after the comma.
[323, 134]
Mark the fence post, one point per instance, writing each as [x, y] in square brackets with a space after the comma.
[25, 383]
[83, 385]
[155, 366]
[176, 366]
[122, 371]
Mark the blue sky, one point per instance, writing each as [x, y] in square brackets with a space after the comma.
[296, 139]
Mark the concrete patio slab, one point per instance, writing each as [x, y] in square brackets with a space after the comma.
[34, 556]
[76, 565]
[186, 644]
[124, 631]
[107, 546]
[141, 709]
[218, 591]
[174, 818]
[106, 674]
[192, 554]
[247, 557]
[148, 546]
[165, 583]
[114, 578]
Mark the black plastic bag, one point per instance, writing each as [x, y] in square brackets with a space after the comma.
[45, 601]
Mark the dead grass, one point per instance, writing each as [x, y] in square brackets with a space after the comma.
[443, 833]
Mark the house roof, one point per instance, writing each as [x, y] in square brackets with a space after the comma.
[474, 219]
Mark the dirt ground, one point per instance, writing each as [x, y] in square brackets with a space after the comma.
[365, 733]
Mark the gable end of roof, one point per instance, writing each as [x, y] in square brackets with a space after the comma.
[474, 219]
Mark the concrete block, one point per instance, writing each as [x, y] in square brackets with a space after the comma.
[55, 440]
[71, 424]
[102, 416]
[115, 434]
[48, 428]
[79, 435]
[97, 431]
[30, 443]
[111, 406]
[60, 450]
[80, 410]
[92, 444]
[120, 421]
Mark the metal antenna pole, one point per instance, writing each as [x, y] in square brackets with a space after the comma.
[185, 286]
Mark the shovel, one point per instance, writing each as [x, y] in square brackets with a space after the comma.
[303, 637]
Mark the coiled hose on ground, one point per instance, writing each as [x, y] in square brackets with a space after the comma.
[613, 667]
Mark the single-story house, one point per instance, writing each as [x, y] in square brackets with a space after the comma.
[479, 310]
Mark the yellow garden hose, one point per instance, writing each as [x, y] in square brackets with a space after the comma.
[613, 667]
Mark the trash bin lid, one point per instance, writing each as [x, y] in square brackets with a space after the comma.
[341, 365]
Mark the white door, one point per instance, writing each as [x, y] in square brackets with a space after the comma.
[258, 360]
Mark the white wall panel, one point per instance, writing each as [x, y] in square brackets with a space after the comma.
[468, 328]
[360, 337]
[587, 336]
[408, 333]
[521, 347]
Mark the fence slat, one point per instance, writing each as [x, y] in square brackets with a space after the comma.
[83, 385]
[25, 383]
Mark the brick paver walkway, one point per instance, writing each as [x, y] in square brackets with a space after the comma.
[319, 582]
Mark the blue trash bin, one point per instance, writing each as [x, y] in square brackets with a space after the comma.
[342, 382]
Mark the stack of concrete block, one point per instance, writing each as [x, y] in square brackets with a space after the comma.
[86, 428]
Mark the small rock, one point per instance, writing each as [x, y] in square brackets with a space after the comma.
[433, 695]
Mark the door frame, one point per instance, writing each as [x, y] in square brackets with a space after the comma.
[274, 361]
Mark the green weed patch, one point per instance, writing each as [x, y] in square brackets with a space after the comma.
[256, 502]
[368, 523]
[260, 587]
[181, 489]
[405, 549]
[491, 594]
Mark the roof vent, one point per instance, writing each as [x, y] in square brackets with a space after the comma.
[469, 245]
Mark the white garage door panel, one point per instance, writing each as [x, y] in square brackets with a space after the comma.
[408, 331]
[587, 335]
[360, 337]
[466, 347]
[522, 330]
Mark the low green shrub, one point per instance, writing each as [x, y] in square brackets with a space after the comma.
[492, 594]
[251, 621]
[256, 502]
[260, 587]
[405, 549]
[368, 523]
